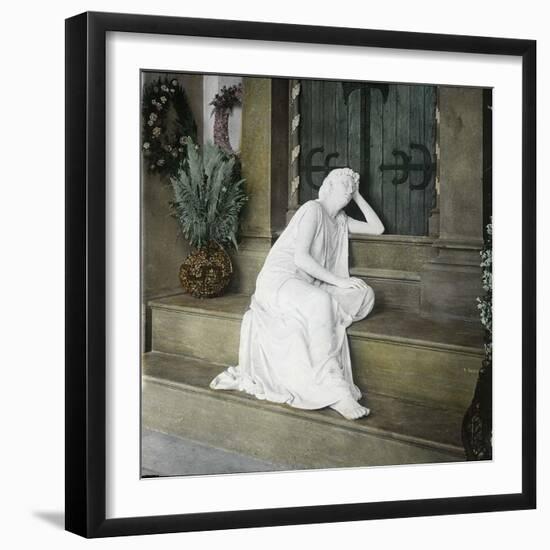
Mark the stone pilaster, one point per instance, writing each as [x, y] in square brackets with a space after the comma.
[451, 281]
[264, 157]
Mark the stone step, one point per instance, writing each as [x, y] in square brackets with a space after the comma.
[393, 252]
[387, 256]
[394, 353]
[393, 288]
[176, 399]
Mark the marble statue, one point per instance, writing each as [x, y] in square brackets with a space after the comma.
[293, 345]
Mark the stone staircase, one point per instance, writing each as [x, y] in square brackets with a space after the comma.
[418, 375]
[177, 400]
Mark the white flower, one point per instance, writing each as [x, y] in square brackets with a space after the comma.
[294, 184]
[172, 90]
[295, 91]
[160, 162]
[164, 88]
[150, 122]
[174, 153]
[153, 116]
[163, 99]
[154, 101]
[295, 123]
[156, 131]
[174, 82]
[146, 145]
[182, 140]
[180, 149]
[295, 154]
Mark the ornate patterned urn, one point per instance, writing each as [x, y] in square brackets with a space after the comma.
[206, 272]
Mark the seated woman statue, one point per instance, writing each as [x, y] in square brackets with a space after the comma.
[293, 347]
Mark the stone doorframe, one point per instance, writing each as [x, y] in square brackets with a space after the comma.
[270, 159]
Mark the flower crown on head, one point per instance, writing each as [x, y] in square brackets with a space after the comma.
[348, 172]
[341, 173]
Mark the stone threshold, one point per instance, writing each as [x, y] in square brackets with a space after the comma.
[390, 274]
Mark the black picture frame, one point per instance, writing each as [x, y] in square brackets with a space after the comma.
[86, 273]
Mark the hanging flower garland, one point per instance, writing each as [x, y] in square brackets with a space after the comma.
[223, 103]
[227, 98]
[164, 137]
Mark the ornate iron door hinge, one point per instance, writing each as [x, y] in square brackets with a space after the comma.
[349, 87]
[310, 168]
[405, 167]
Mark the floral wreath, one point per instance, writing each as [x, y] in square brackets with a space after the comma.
[164, 139]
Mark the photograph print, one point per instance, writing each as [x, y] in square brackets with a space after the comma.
[316, 274]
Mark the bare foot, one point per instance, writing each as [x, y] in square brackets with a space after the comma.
[350, 409]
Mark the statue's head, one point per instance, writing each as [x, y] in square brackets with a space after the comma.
[340, 184]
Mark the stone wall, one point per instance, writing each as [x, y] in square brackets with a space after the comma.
[451, 282]
[162, 248]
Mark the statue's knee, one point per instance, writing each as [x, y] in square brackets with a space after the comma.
[368, 300]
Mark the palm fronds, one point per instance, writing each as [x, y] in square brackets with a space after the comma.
[208, 196]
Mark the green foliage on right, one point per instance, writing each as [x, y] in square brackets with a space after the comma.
[485, 303]
[208, 196]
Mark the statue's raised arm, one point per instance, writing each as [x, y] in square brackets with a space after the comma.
[373, 224]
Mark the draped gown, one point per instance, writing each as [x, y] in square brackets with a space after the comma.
[293, 343]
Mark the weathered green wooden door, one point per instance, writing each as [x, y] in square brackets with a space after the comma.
[386, 132]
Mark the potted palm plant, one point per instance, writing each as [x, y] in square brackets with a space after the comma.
[208, 198]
